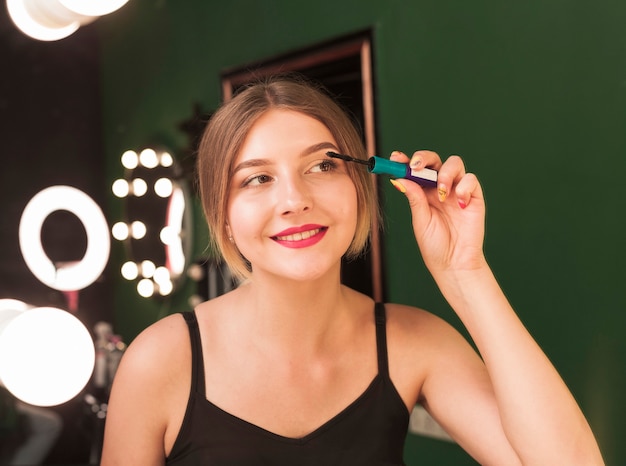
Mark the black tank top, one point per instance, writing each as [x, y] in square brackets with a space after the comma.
[370, 431]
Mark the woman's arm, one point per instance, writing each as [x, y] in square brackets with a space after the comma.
[538, 415]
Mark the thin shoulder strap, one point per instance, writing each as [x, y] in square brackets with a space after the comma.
[381, 339]
[197, 362]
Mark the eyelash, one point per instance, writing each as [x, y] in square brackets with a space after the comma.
[324, 165]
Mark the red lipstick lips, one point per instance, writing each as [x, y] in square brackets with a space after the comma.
[301, 237]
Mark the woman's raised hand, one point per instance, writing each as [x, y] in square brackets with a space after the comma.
[448, 221]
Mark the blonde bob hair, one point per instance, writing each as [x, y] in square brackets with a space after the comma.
[226, 132]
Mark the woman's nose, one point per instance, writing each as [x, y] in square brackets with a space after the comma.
[294, 197]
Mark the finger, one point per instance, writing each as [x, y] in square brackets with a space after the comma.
[450, 173]
[425, 158]
[418, 202]
[467, 189]
[419, 159]
[399, 156]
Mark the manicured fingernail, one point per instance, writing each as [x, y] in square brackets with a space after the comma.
[442, 191]
[399, 186]
[462, 203]
[416, 162]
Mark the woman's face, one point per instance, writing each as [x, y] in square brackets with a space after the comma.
[292, 210]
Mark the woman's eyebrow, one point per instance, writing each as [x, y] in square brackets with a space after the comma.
[318, 147]
[253, 163]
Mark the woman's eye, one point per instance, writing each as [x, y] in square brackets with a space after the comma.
[257, 180]
[324, 166]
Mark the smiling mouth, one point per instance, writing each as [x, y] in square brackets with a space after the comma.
[299, 236]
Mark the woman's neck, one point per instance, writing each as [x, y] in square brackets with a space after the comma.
[295, 315]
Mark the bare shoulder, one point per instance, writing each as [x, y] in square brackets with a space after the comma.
[423, 335]
[411, 326]
[419, 344]
[155, 371]
[163, 343]
[168, 329]
[157, 365]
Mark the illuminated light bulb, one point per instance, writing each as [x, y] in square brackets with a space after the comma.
[39, 24]
[147, 269]
[163, 187]
[12, 304]
[47, 356]
[138, 229]
[145, 288]
[166, 288]
[93, 8]
[166, 159]
[140, 187]
[169, 235]
[161, 275]
[163, 280]
[120, 188]
[50, 20]
[130, 159]
[130, 270]
[120, 231]
[148, 158]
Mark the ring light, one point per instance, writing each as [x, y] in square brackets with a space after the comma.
[77, 275]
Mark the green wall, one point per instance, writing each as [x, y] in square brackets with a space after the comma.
[531, 94]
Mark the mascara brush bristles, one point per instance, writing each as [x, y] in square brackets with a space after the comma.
[347, 158]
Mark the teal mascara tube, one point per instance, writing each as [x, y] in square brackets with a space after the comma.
[425, 177]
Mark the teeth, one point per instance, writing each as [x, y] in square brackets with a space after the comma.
[299, 236]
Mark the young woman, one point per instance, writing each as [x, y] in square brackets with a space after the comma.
[292, 367]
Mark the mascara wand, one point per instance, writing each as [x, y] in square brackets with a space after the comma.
[425, 177]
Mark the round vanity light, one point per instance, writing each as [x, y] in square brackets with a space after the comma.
[76, 275]
[47, 355]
